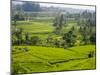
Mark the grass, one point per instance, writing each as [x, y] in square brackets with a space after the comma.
[46, 59]
[35, 27]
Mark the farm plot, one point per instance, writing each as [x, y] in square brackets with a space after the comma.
[47, 59]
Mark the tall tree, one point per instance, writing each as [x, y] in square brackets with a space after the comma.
[59, 22]
[70, 38]
[27, 41]
[16, 18]
[18, 34]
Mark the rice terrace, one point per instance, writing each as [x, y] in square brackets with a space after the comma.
[48, 37]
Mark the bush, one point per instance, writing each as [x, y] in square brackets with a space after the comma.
[35, 40]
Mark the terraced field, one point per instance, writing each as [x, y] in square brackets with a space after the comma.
[52, 38]
[35, 27]
[40, 29]
[47, 59]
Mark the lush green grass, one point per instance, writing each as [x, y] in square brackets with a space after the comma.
[35, 27]
[46, 59]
